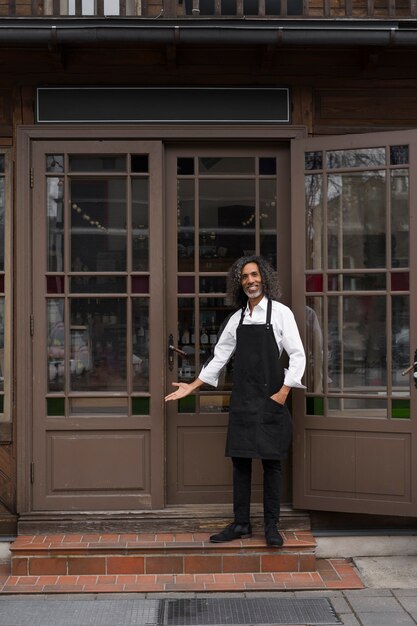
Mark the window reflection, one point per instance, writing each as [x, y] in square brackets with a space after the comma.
[357, 344]
[56, 344]
[140, 337]
[98, 225]
[227, 222]
[400, 340]
[55, 224]
[400, 220]
[314, 221]
[357, 220]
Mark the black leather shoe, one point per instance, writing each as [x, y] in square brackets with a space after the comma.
[231, 532]
[273, 537]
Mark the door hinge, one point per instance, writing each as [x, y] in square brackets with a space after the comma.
[32, 473]
[31, 177]
[32, 325]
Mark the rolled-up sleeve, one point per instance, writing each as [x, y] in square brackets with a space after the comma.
[288, 339]
[223, 351]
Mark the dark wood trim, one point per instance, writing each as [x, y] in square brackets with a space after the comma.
[167, 132]
[6, 432]
[190, 518]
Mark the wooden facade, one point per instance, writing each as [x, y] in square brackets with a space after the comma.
[335, 90]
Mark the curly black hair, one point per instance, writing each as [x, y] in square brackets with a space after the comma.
[270, 282]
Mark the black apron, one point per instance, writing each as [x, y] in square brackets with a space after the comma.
[258, 426]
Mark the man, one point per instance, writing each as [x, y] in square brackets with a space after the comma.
[259, 421]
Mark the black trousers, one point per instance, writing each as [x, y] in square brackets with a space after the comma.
[242, 477]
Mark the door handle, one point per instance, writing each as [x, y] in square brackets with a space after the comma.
[408, 370]
[171, 350]
[412, 368]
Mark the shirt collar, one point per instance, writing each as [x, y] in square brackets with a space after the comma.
[263, 304]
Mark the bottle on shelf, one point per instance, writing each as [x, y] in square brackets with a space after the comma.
[213, 332]
[185, 337]
[204, 338]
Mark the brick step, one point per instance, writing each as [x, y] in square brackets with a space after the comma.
[158, 554]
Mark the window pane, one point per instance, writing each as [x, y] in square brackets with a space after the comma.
[139, 163]
[140, 224]
[314, 221]
[186, 340]
[213, 284]
[314, 345]
[185, 166]
[98, 163]
[185, 217]
[400, 341]
[98, 284]
[140, 406]
[399, 155]
[268, 220]
[356, 220]
[357, 343]
[214, 404]
[365, 157]
[226, 165]
[140, 337]
[357, 282]
[98, 225]
[267, 166]
[213, 312]
[55, 223]
[2, 163]
[55, 163]
[313, 160]
[358, 407]
[55, 284]
[227, 222]
[186, 284]
[98, 344]
[400, 220]
[56, 344]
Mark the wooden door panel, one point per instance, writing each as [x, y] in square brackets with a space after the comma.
[355, 434]
[97, 272]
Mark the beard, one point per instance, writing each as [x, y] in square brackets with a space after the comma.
[253, 294]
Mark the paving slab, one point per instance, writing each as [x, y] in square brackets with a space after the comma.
[389, 573]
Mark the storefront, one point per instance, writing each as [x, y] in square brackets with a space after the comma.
[114, 281]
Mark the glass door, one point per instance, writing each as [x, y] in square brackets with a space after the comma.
[356, 434]
[97, 325]
[222, 203]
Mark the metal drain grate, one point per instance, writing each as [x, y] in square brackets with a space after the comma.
[214, 611]
[165, 612]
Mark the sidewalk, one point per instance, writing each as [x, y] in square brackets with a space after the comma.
[365, 607]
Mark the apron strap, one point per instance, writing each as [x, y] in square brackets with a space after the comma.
[268, 314]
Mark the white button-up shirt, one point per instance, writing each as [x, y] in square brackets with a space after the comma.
[286, 335]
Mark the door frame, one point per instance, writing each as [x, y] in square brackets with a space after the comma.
[23, 383]
[305, 424]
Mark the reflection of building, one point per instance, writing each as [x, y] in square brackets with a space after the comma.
[161, 150]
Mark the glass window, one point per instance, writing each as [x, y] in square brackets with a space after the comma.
[357, 286]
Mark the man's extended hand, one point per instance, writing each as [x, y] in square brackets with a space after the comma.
[184, 389]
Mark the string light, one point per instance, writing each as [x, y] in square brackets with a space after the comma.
[87, 218]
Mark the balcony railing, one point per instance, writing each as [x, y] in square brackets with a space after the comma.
[198, 9]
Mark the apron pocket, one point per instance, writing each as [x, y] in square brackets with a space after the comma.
[275, 430]
[240, 435]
